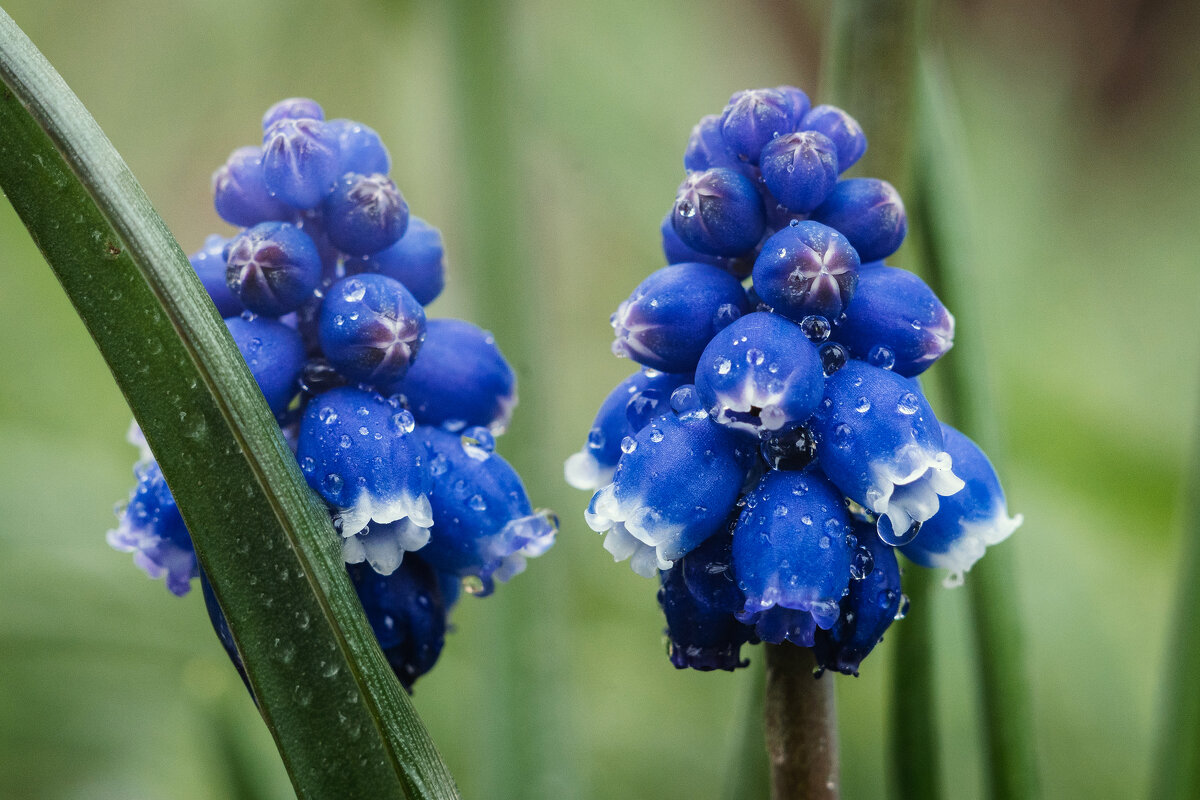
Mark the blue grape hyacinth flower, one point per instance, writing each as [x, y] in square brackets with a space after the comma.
[461, 380]
[671, 316]
[798, 410]
[628, 408]
[371, 328]
[483, 523]
[792, 551]
[868, 610]
[674, 486]
[151, 528]
[969, 521]
[323, 294]
[879, 442]
[760, 375]
[357, 450]
[895, 321]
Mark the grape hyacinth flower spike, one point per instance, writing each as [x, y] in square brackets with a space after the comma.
[797, 452]
[392, 415]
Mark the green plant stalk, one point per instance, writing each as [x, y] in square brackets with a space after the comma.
[803, 758]
[1007, 706]
[342, 724]
[529, 743]
[871, 71]
[914, 758]
[1176, 766]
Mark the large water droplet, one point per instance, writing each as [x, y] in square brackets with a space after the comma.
[353, 291]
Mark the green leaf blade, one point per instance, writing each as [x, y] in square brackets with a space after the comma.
[342, 723]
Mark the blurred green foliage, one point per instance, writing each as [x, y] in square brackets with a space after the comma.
[1084, 158]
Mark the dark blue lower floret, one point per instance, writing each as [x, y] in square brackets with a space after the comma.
[700, 638]
[407, 611]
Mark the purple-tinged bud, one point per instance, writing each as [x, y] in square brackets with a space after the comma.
[365, 214]
[800, 169]
[869, 213]
[240, 191]
[371, 328]
[209, 263]
[361, 149]
[300, 161]
[292, 108]
[842, 129]
[273, 268]
[806, 269]
[755, 117]
[674, 313]
[718, 212]
[895, 317]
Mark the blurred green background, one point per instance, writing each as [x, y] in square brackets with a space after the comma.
[547, 143]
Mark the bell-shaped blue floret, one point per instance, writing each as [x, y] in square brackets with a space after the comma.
[292, 108]
[150, 527]
[718, 211]
[407, 612]
[872, 605]
[417, 261]
[671, 315]
[273, 268]
[800, 169]
[209, 263]
[806, 268]
[895, 319]
[879, 442]
[676, 252]
[371, 328]
[968, 522]
[634, 402]
[840, 128]
[869, 213]
[706, 147]
[357, 450]
[699, 636]
[756, 116]
[760, 375]
[300, 161]
[674, 487]
[364, 214]
[483, 523]
[275, 355]
[460, 379]
[240, 192]
[792, 553]
[359, 148]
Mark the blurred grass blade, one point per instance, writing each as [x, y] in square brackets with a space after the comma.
[748, 773]
[995, 609]
[871, 71]
[1176, 767]
[342, 723]
[914, 754]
